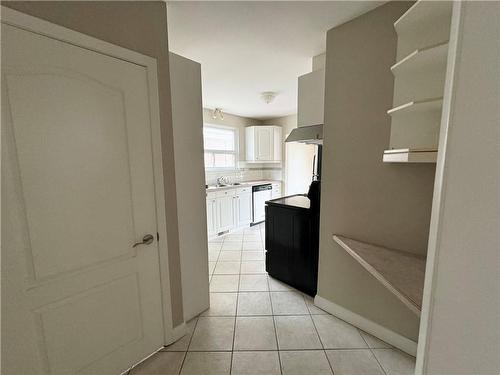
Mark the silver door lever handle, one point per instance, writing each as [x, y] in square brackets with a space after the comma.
[146, 240]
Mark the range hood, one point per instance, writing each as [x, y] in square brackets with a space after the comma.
[307, 134]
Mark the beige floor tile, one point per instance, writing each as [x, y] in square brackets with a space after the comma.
[257, 245]
[234, 237]
[353, 362]
[296, 332]
[254, 303]
[255, 363]
[232, 245]
[395, 362]
[207, 363]
[313, 310]
[227, 268]
[182, 344]
[216, 239]
[252, 237]
[222, 304]
[373, 342]
[252, 229]
[211, 267]
[252, 255]
[253, 267]
[253, 283]
[230, 256]
[213, 334]
[255, 333]
[162, 363]
[337, 334]
[224, 283]
[213, 255]
[288, 303]
[305, 363]
[214, 246]
[278, 286]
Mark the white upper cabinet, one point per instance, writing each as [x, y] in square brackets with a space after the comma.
[311, 98]
[263, 144]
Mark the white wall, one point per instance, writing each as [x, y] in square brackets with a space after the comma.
[187, 119]
[460, 330]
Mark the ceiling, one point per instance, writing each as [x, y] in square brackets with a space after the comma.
[246, 48]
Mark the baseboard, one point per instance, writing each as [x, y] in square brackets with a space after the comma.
[178, 332]
[375, 329]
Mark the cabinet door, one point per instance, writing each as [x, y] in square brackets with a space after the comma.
[276, 192]
[225, 213]
[277, 143]
[264, 143]
[244, 209]
[211, 218]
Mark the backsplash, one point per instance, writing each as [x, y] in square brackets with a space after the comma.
[244, 174]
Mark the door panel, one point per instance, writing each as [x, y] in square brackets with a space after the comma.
[264, 143]
[245, 209]
[78, 191]
[75, 222]
[225, 213]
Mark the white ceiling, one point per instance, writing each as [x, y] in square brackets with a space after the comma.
[246, 48]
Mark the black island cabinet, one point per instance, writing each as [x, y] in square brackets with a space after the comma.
[292, 241]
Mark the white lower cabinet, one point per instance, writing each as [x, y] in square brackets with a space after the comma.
[226, 218]
[276, 192]
[211, 216]
[243, 209]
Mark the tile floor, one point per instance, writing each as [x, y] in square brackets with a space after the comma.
[258, 325]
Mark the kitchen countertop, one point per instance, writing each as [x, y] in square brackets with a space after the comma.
[293, 201]
[241, 185]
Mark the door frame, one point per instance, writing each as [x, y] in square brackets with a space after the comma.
[38, 26]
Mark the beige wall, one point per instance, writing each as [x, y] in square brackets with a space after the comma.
[362, 197]
[140, 26]
[187, 119]
[461, 312]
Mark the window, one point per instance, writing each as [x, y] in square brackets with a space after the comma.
[220, 146]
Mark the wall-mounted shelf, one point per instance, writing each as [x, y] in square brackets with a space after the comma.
[422, 15]
[406, 155]
[419, 77]
[433, 57]
[400, 272]
[431, 104]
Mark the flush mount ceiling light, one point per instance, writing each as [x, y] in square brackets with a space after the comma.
[268, 96]
[217, 112]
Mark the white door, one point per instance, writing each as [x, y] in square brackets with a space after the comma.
[264, 142]
[211, 217]
[225, 212]
[78, 192]
[244, 209]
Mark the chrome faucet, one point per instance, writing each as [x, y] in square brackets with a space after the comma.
[221, 180]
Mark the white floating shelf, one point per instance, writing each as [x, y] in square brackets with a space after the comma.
[406, 155]
[400, 272]
[424, 105]
[423, 14]
[433, 57]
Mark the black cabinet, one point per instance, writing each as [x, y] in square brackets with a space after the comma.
[292, 238]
